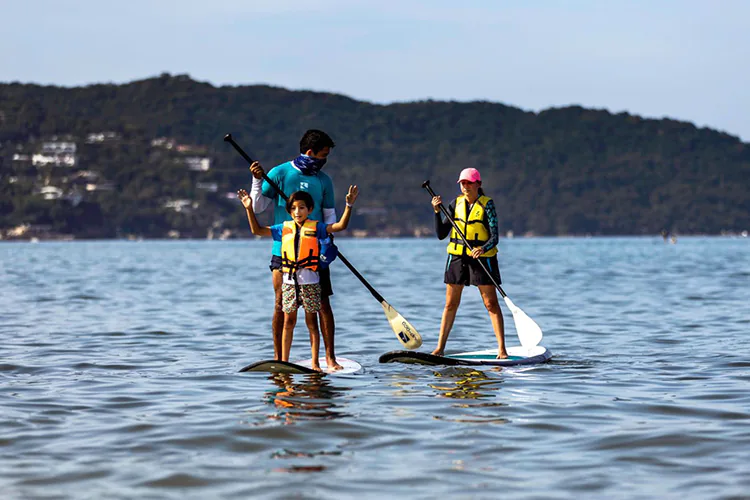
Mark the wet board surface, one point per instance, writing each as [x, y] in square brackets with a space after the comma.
[302, 367]
[517, 355]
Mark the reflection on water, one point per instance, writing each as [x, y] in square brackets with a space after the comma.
[404, 384]
[309, 397]
[301, 468]
[303, 454]
[465, 383]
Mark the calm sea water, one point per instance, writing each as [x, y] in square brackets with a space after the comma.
[118, 375]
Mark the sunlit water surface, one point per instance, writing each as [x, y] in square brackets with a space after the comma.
[119, 360]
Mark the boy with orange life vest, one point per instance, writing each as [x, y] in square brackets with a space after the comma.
[300, 261]
[304, 173]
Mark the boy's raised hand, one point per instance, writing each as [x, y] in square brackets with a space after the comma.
[351, 196]
[245, 199]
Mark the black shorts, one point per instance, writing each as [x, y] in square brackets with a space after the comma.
[465, 270]
[326, 289]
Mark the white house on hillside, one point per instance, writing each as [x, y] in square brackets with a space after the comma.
[180, 205]
[58, 147]
[51, 192]
[101, 137]
[58, 160]
[198, 163]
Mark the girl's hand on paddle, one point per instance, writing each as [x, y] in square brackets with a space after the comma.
[476, 252]
[245, 199]
[257, 170]
[351, 196]
[436, 201]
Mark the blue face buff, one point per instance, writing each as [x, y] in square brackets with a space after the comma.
[309, 165]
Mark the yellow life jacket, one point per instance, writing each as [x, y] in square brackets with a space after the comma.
[305, 255]
[472, 226]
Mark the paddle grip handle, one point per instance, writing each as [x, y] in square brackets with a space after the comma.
[228, 138]
[426, 185]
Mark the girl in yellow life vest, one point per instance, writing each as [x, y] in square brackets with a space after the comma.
[300, 250]
[476, 217]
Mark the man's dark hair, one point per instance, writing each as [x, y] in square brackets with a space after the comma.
[300, 196]
[315, 140]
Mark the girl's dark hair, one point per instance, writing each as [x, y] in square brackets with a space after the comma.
[481, 192]
[315, 140]
[300, 196]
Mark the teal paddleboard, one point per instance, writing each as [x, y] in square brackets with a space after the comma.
[517, 355]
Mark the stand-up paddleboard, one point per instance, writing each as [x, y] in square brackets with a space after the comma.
[274, 366]
[302, 367]
[517, 355]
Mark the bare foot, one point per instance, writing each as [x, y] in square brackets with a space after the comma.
[333, 366]
[437, 352]
[502, 355]
[315, 366]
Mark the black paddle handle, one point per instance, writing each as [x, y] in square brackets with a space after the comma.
[228, 138]
[426, 185]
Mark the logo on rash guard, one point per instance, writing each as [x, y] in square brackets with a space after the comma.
[304, 185]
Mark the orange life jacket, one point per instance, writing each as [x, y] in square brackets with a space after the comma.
[306, 254]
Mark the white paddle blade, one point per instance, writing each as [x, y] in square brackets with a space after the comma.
[404, 331]
[528, 331]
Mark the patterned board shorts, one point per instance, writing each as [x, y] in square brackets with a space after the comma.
[310, 295]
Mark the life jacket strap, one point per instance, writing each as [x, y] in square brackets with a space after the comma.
[476, 242]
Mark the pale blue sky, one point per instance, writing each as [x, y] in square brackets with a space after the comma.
[684, 59]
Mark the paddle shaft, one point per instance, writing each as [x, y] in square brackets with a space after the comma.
[426, 185]
[228, 138]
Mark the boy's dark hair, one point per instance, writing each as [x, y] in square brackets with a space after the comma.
[300, 196]
[315, 140]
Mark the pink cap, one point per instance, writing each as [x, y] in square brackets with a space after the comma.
[470, 174]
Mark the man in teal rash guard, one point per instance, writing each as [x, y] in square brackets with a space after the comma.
[301, 174]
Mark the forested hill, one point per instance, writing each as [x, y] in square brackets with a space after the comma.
[149, 160]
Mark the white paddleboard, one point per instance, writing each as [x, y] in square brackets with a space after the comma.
[350, 366]
[302, 367]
